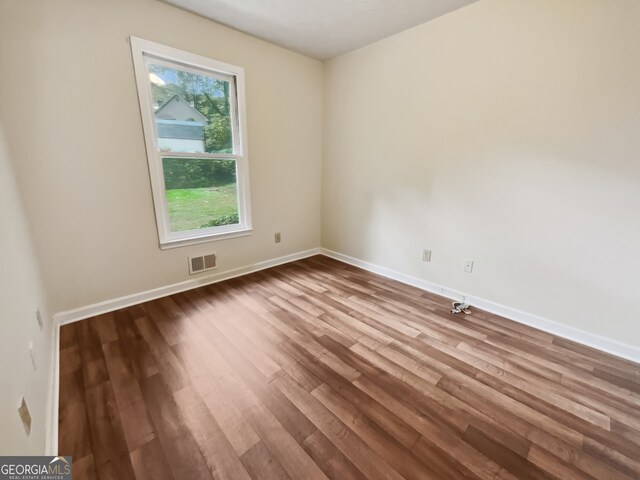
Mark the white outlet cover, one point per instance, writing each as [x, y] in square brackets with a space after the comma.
[468, 266]
[426, 255]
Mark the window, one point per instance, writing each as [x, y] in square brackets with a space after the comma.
[193, 118]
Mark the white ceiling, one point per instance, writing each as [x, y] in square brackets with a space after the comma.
[321, 28]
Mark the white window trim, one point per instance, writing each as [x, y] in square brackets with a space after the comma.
[168, 239]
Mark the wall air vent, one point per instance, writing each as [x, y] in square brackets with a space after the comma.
[202, 263]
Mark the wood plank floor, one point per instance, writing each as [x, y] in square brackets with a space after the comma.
[317, 369]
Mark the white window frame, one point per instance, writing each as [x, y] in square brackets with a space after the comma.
[161, 54]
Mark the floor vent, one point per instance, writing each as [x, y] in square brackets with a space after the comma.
[202, 263]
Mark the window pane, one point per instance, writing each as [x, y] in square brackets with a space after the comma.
[201, 193]
[192, 111]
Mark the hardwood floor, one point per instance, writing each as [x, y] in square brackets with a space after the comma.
[317, 369]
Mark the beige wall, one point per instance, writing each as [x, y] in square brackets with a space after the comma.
[507, 132]
[72, 121]
[21, 295]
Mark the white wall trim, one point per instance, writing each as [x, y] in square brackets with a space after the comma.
[54, 389]
[604, 344]
[598, 342]
[144, 52]
[88, 311]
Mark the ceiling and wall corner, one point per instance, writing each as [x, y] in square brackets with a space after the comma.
[321, 29]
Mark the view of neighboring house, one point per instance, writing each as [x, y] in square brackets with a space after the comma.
[180, 126]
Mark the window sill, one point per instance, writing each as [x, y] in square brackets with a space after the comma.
[205, 239]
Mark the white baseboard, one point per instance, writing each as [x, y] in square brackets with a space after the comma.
[88, 311]
[604, 344]
[598, 342]
[54, 389]
[107, 306]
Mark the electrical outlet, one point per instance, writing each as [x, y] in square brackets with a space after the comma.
[277, 237]
[25, 416]
[39, 319]
[426, 255]
[468, 266]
